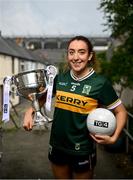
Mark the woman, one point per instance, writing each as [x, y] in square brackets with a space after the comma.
[72, 150]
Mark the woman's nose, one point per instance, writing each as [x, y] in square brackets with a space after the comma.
[76, 55]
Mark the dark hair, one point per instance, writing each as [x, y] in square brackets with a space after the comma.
[89, 45]
[82, 38]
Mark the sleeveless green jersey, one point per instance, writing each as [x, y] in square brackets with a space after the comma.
[75, 99]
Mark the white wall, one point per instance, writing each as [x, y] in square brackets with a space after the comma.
[41, 66]
[30, 65]
[5, 67]
[6, 70]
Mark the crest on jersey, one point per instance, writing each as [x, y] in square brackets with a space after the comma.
[86, 89]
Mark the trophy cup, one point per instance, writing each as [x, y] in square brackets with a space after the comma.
[33, 84]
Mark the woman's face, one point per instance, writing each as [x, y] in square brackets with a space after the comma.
[78, 56]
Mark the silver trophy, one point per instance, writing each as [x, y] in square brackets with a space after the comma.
[32, 85]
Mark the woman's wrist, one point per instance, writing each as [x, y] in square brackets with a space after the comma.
[31, 110]
[114, 139]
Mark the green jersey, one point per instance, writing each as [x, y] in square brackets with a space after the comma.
[75, 99]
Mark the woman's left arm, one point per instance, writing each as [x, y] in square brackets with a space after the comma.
[121, 117]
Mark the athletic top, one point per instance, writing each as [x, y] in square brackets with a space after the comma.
[74, 100]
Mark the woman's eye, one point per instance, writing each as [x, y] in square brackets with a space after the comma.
[71, 52]
[82, 52]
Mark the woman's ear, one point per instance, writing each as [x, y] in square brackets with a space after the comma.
[90, 56]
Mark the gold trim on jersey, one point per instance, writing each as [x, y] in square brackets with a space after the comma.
[74, 102]
[114, 104]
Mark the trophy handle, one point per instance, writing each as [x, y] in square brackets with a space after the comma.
[13, 87]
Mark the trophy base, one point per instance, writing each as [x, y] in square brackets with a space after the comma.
[41, 125]
[41, 120]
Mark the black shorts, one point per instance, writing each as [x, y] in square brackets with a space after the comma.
[78, 163]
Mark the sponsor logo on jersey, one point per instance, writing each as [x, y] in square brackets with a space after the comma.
[76, 84]
[74, 102]
[63, 83]
[71, 100]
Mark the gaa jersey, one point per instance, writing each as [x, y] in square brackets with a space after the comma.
[74, 100]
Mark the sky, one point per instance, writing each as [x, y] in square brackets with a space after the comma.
[51, 18]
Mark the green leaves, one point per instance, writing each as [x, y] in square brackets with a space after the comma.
[119, 18]
[119, 15]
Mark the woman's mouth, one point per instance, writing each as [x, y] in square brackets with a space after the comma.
[76, 63]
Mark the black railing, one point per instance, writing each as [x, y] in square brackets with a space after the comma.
[128, 134]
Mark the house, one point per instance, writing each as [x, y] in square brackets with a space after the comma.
[13, 60]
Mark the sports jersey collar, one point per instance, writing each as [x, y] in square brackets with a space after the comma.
[82, 78]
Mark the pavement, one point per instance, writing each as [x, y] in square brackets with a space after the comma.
[24, 154]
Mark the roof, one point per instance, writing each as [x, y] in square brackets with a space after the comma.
[9, 47]
[52, 56]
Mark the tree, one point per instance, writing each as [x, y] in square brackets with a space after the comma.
[119, 16]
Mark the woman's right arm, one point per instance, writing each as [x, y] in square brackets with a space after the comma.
[28, 117]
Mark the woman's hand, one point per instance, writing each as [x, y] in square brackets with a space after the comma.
[28, 119]
[103, 139]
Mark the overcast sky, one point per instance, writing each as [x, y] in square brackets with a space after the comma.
[51, 18]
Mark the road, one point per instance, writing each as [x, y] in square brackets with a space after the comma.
[25, 156]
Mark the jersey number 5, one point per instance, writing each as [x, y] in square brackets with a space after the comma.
[73, 88]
